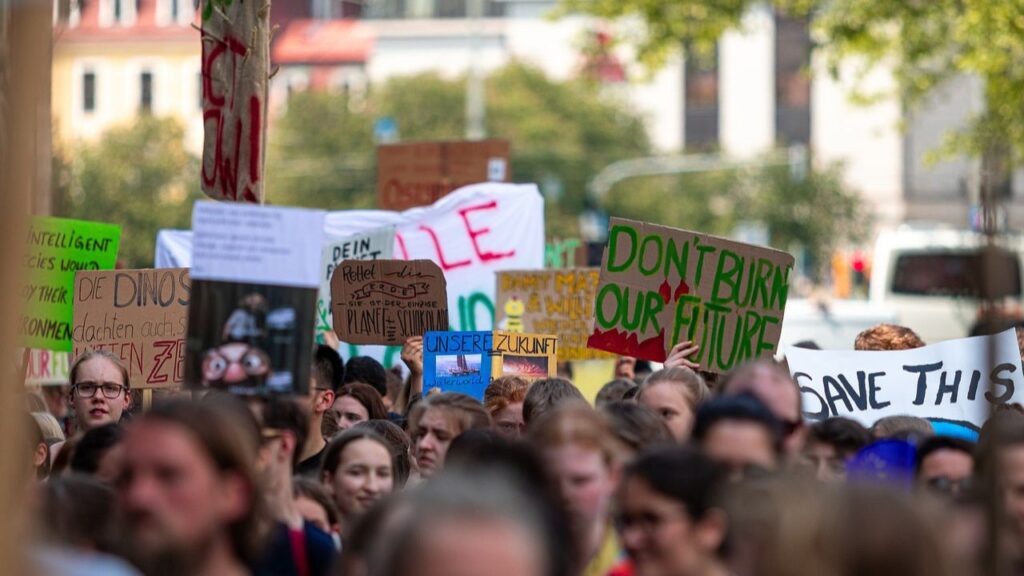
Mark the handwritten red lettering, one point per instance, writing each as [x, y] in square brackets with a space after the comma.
[475, 234]
[445, 265]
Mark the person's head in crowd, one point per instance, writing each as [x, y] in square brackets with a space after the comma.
[614, 391]
[401, 447]
[358, 402]
[78, 512]
[315, 504]
[284, 423]
[668, 514]
[638, 427]
[584, 455]
[50, 427]
[99, 453]
[368, 371]
[100, 390]
[1000, 455]
[189, 489]
[887, 337]
[909, 428]
[436, 420]
[790, 526]
[503, 399]
[478, 523]
[772, 384]
[945, 465]
[547, 394]
[741, 433]
[36, 447]
[358, 470]
[675, 394]
[327, 374]
[831, 443]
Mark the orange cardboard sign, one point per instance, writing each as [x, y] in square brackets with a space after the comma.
[419, 173]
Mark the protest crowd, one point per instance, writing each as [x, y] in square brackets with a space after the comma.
[673, 472]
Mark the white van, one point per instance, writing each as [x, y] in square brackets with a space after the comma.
[931, 277]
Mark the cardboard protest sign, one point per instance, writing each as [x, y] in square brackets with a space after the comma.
[467, 362]
[470, 234]
[55, 249]
[559, 302]
[418, 174]
[255, 277]
[378, 244]
[955, 380]
[139, 316]
[46, 367]
[662, 285]
[235, 73]
[388, 301]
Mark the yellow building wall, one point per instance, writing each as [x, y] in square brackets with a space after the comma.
[118, 65]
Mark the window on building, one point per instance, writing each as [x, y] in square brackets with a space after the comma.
[146, 92]
[701, 107]
[405, 9]
[792, 80]
[89, 92]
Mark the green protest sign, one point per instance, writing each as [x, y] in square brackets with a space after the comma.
[660, 286]
[55, 249]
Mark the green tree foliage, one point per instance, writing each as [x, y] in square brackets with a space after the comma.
[321, 151]
[925, 42]
[814, 213]
[138, 176]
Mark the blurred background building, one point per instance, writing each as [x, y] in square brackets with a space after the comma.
[114, 59]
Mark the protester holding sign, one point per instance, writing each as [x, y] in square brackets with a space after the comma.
[675, 394]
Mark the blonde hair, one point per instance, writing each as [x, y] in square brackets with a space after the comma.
[467, 412]
[504, 391]
[888, 337]
[93, 354]
[688, 382]
[580, 425]
[49, 426]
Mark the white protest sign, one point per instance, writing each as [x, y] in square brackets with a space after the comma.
[954, 380]
[257, 244]
[378, 244]
[471, 234]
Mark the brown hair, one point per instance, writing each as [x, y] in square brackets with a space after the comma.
[334, 450]
[466, 410]
[232, 448]
[315, 491]
[545, 395]
[688, 382]
[887, 337]
[368, 396]
[91, 354]
[401, 447]
[504, 391]
[581, 425]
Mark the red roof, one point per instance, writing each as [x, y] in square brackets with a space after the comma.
[322, 42]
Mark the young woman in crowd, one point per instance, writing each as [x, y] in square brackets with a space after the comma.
[668, 515]
[436, 421]
[100, 391]
[357, 402]
[401, 448]
[503, 400]
[675, 394]
[584, 455]
[358, 470]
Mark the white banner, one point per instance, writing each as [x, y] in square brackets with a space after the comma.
[471, 234]
[952, 381]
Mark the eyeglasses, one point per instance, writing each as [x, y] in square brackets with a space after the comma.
[947, 485]
[88, 389]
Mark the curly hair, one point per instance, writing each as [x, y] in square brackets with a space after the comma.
[504, 391]
[888, 337]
